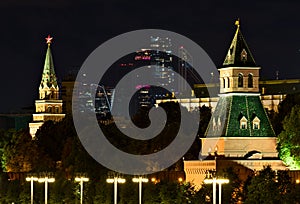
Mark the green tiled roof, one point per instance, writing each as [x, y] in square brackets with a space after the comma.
[230, 109]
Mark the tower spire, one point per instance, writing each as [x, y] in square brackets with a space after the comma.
[48, 87]
[237, 22]
[239, 54]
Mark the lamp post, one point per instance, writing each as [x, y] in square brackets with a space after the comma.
[140, 180]
[220, 182]
[31, 179]
[81, 180]
[115, 181]
[212, 179]
[46, 179]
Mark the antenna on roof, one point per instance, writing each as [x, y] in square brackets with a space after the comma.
[277, 75]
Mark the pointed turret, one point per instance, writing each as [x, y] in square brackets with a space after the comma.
[239, 73]
[239, 54]
[48, 87]
[239, 123]
[48, 106]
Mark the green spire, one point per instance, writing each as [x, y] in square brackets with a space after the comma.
[49, 77]
[239, 54]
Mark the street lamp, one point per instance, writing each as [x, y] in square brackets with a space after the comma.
[46, 179]
[140, 180]
[220, 182]
[212, 179]
[31, 179]
[81, 180]
[115, 181]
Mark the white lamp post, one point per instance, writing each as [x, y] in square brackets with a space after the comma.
[140, 180]
[46, 180]
[31, 179]
[81, 180]
[115, 181]
[216, 181]
[220, 182]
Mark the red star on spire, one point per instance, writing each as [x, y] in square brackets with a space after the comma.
[49, 39]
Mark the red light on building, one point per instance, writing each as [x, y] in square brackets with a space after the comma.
[143, 57]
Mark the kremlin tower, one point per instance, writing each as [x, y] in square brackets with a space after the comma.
[239, 133]
[48, 106]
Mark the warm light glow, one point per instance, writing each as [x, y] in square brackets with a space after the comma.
[219, 181]
[297, 181]
[136, 180]
[46, 179]
[32, 178]
[222, 181]
[78, 179]
[153, 180]
[208, 181]
[110, 180]
[180, 179]
[121, 180]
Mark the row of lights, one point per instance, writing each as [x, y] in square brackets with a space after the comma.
[48, 178]
[117, 179]
[44, 178]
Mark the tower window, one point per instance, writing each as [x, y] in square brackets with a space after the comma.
[224, 85]
[244, 55]
[240, 80]
[256, 123]
[243, 123]
[250, 81]
[228, 82]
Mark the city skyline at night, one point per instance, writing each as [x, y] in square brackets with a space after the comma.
[79, 27]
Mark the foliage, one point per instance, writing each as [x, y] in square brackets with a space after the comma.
[284, 109]
[20, 153]
[289, 140]
[269, 187]
[231, 192]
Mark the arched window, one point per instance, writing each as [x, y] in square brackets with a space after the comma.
[250, 80]
[240, 80]
[224, 86]
[228, 82]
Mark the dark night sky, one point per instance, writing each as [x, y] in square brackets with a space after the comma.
[271, 28]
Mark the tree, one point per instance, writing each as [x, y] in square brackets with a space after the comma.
[284, 109]
[231, 192]
[270, 187]
[289, 140]
[263, 188]
[21, 153]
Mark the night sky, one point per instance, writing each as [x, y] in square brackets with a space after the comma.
[271, 28]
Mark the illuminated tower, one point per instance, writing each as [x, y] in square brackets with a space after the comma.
[239, 133]
[48, 106]
[239, 125]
